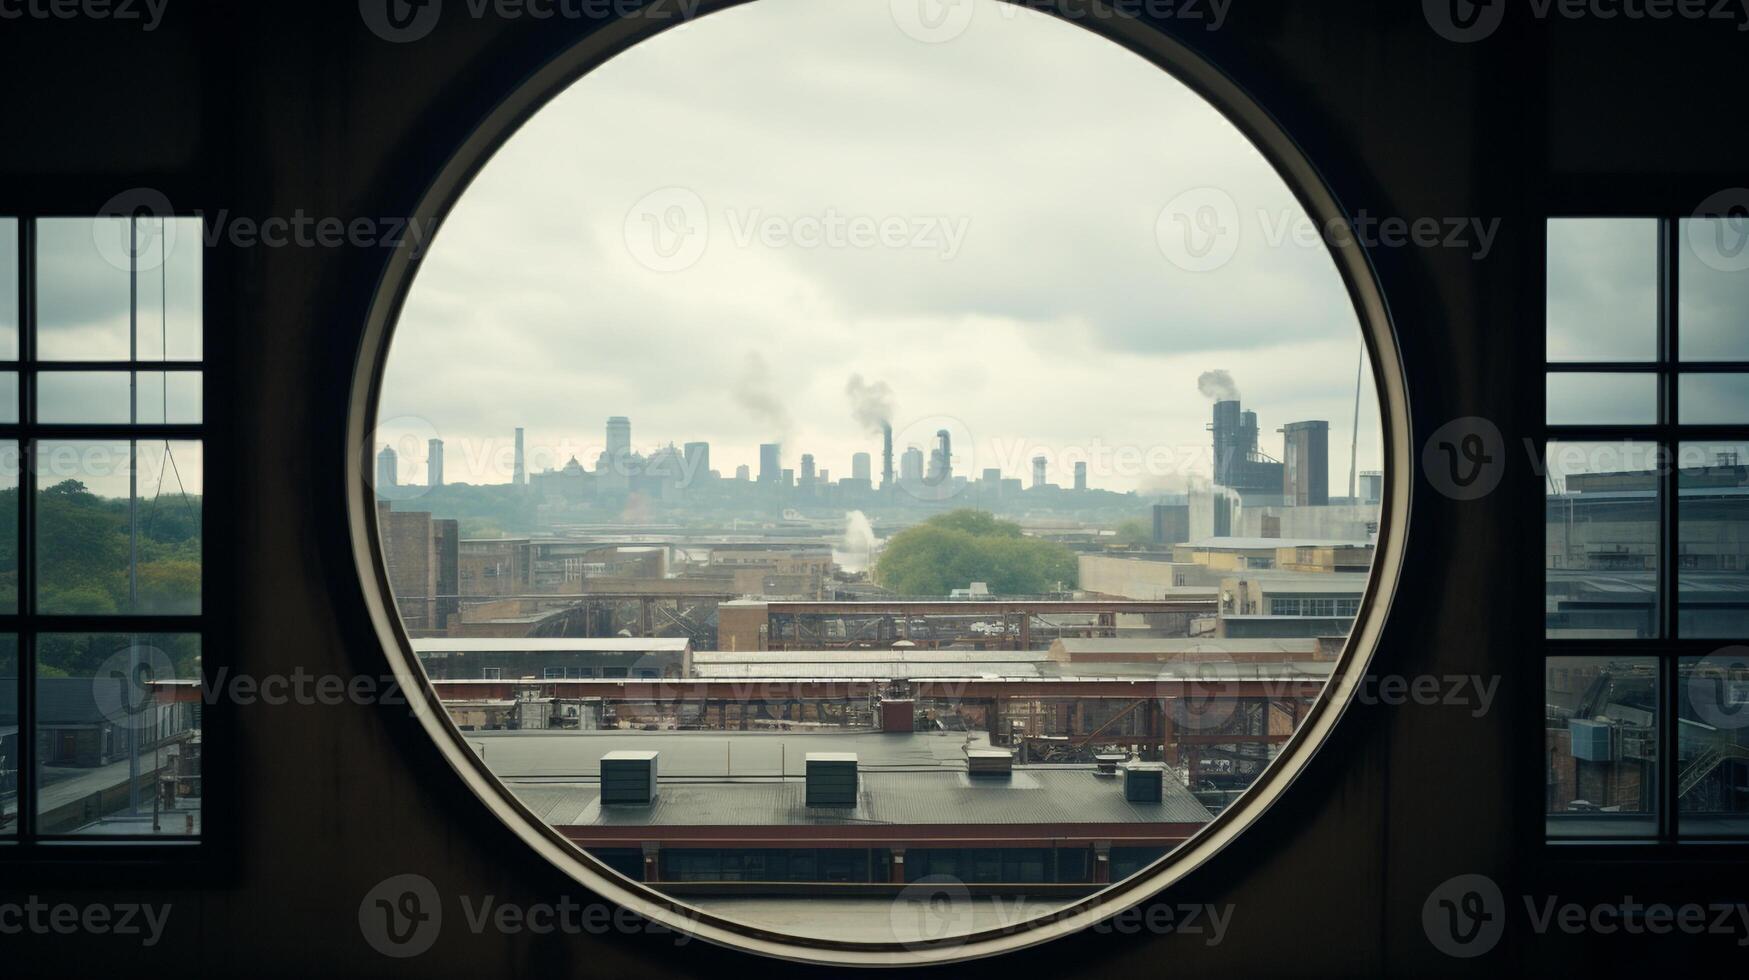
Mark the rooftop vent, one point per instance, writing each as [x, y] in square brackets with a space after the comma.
[1106, 764]
[628, 779]
[989, 763]
[831, 779]
[1142, 783]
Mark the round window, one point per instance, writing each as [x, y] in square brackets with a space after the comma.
[877, 482]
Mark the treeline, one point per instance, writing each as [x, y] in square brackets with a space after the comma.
[83, 555]
[951, 551]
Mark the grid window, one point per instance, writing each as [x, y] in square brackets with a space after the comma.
[1646, 594]
[101, 530]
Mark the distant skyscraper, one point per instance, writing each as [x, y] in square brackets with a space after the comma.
[770, 462]
[1080, 476]
[743, 473]
[434, 463]
[861, 466]
[807, 469]
[1038, 471]
[388, 469]
[619, 436]
[519, 469]
[911, 465]
[698, 461]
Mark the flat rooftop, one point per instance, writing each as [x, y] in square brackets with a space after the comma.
[611, 644]
[1053, 796]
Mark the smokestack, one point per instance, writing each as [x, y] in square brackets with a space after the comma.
[886, 455]
[519, 471]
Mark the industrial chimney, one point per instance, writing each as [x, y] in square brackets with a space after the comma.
[519, 471]
[886, 455]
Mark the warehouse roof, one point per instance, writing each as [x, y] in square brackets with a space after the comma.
[611, 644]
[1029, 796]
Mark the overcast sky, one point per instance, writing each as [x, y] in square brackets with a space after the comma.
[713, 232]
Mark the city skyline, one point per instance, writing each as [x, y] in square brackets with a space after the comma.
[1057, 322]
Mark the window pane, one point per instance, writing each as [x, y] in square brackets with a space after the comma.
[1712, 779]
[9, 741]
[118, 729]
[1602, 299]
[8, 289]
[9, 470]
[1713, 540]
[1602, 540]
[170, 289]
[1602, 399]
[1714, 399]
[8, 396]
[119, 536]
[82, 289]
[82, 396]
[168, 397]
[1713, 289]
[1601, 746]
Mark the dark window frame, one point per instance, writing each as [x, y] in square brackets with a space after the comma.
[107, 857]
[1669, 648]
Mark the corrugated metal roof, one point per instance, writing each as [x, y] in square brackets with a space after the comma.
[612, 644]
[1177, 645]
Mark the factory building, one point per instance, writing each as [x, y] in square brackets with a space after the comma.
[1305, 464]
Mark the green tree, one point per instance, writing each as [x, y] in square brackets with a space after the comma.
[952, 550]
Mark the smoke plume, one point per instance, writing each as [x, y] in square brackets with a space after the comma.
[872, 404]
[756, 391]
[1218, 385]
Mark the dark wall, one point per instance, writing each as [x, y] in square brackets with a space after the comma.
[263, 109]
